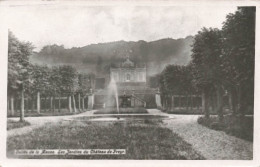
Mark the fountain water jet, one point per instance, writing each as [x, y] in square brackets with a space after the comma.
[113, 89]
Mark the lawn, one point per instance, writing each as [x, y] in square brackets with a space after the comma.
[147, 140]
[184, 111]
[122, 111]
[16, 124]
[43, 113]
[232, 125]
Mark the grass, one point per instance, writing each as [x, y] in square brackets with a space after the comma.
[141, 140]
[43, 113]
[232, 125]
[16, 124]
[122, 111]
[185, 111]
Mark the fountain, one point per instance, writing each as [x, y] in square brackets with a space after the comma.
[122, 118]
[113, 90]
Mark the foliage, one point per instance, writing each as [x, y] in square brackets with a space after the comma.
[84, 81]
[16, 124]
[177, 79]
[68, 79]
[231, 125]
[41, 79]
[222, 65]
[207, 58]
[18, 63]
[154, 81]
[239, 52]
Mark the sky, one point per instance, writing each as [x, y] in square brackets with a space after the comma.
[77, 26]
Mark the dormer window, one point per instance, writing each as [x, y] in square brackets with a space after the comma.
[128, 63]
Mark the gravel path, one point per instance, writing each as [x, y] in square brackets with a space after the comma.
[37, 122]
[213, 145]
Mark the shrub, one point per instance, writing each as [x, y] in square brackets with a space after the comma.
[232, 125]
[217, 126]
[16, 124]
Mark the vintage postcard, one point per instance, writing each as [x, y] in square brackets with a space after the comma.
[121, 80]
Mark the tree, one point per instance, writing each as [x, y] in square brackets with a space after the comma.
[69, 84]
[207, 67]
[84, 85]
[18, 63]
[239, 55]
[175, 80]
[41, 84]
[55, 83]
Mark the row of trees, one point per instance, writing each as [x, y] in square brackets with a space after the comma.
[33, 81]
[222, 63]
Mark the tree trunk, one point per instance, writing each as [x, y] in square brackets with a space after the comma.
[51, 105]
[32, 104]
[45, 103]
[8, 107]
[169, 102]
[219, 103]
[12, 106]
[83, 103]
[191, 101]
[74, 104]
[79, 101]
[172, 103]
[59, 103]
[187, 103]
[38, 103]
[233, 101]
[230, 106]
[70, 109]
[27, 104]
[242, 102]
[22, 107]
[54, 99]
[15, 105]
[166, 103]
[180, 102]
[205, 109]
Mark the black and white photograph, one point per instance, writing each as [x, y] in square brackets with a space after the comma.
[129, 81]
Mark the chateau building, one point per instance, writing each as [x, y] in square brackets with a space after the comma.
[131, 82]
[128, 72]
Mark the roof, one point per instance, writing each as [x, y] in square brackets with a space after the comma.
[128, 63]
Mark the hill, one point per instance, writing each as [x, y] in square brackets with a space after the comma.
[99, 57]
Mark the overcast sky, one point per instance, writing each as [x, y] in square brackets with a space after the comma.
[76, 26]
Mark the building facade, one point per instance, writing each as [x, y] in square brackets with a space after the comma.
[128, 72]
[131, 82]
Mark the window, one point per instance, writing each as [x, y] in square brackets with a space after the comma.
[141, 77]
[128, 77]
[115, 76]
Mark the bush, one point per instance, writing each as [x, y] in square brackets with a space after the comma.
[203, 121]
[217, 126]
[232, 125]
[16, 124]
